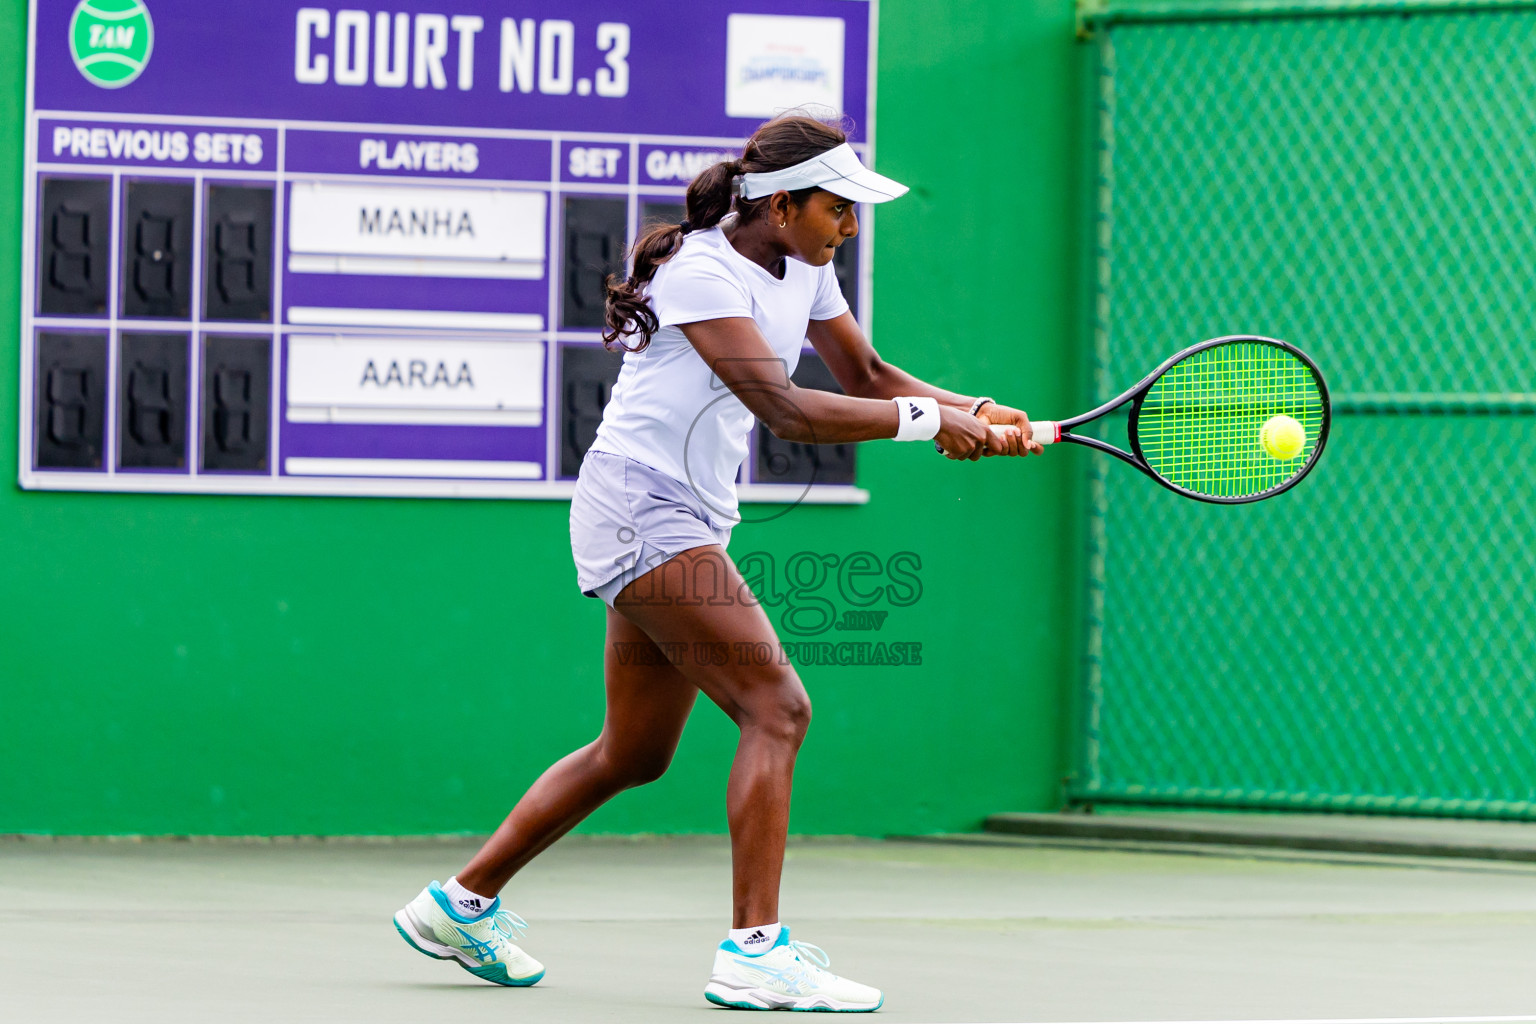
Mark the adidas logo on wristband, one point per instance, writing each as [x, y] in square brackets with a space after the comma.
[917, 419]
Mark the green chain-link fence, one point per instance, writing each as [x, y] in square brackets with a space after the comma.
[1363, 186]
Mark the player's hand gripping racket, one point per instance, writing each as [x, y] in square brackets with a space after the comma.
[1229, 420]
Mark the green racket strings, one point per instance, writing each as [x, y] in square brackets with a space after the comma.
[1200, 425]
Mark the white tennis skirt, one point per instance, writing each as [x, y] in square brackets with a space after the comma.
[627, 519]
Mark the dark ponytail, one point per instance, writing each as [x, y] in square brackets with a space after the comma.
[780, 143]
[626, 311]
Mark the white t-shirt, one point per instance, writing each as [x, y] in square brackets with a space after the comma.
[668, 409]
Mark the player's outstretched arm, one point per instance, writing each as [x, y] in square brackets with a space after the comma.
[735, 349]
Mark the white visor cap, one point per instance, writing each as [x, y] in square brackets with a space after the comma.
[838, 170]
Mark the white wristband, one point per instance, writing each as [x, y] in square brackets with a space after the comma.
[918, 419]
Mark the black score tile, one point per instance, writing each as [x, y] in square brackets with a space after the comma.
[236, 403]
[74, 234]
[69, 401]
[152, 401]
[594, 233]
[157, 250]
[237, 263]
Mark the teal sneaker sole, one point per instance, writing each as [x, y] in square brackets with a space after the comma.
[722, 1001]
[496, 974]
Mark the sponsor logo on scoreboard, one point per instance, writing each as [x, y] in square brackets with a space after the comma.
[776, 62]
[111, 41]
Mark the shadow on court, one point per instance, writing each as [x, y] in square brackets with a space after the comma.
[301, 931]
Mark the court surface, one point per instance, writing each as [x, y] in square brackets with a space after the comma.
[301, 931]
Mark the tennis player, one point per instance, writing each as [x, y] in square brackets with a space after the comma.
[712, 321]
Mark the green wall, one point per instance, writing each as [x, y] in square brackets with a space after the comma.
[188, 664]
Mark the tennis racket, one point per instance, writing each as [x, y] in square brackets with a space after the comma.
[1210, 422]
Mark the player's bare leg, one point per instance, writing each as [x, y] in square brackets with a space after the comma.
[648, 704]
[766, 701]
[649, 701]
[760, 967]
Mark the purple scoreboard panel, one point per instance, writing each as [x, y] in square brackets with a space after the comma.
[282, 248]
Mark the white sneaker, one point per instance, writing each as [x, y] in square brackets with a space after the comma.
[789, 976]
[481, 945]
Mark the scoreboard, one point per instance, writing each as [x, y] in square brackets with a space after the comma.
[276, 247]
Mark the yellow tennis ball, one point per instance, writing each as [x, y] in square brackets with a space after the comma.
[1282, 438]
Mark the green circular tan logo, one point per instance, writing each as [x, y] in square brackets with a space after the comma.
[111, 40]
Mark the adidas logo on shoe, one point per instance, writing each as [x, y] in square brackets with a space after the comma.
[757, 938]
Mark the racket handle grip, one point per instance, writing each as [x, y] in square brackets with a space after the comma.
[1046, 431]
